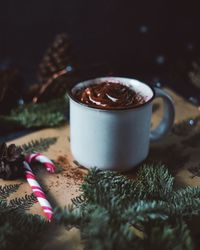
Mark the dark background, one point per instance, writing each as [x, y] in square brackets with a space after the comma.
[150, 40]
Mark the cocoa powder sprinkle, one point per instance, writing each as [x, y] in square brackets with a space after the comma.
[69, 171]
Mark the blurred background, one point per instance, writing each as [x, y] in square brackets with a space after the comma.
[154, 41]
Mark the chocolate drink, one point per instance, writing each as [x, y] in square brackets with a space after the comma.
[109, 95]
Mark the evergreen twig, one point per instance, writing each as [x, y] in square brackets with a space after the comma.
[35, 115]
[112, 206]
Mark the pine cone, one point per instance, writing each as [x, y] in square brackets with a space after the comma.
[11, 162]
[11, 84]
[57, 57]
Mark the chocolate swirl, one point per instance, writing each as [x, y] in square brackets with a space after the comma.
[109, 95]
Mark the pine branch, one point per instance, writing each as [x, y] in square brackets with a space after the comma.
[74, 216]
[142, 211]
[48, 114]
[186, 201]
[167, 235]
[154, 182]
[107, 183]
[6, 190]
[38, 145]
[111, 205]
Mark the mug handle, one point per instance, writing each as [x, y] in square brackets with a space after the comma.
[168, 116]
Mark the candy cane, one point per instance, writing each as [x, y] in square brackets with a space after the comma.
[31, 179]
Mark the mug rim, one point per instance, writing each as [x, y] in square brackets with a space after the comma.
[70, 94]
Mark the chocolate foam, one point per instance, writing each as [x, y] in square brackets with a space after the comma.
[109, 95]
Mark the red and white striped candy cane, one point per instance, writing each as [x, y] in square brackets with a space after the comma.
[31, 178]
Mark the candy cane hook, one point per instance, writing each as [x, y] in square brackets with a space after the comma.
[36, 188]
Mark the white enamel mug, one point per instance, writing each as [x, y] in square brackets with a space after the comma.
[116, 139]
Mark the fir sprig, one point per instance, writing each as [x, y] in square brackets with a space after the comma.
[35, 115]
[111, 206]
[172, 235]
[154, 182]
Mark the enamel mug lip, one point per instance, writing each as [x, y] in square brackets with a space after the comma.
[111, 79]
